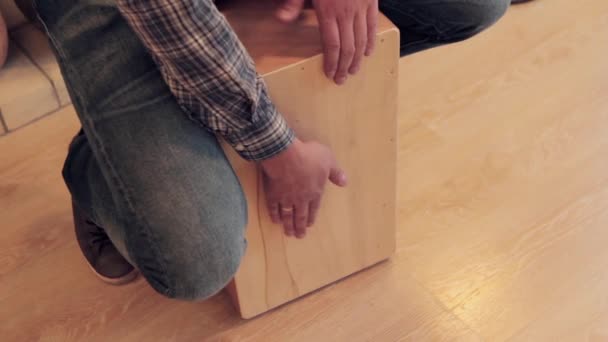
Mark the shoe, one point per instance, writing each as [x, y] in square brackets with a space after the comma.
[103, 257]
[515, 2]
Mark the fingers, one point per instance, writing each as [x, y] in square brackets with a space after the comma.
[290, 10]
[372, 24]
[346, 39]
[347, 48]
[295, 219]
[360, 29]
[336, 174]
[294, 191]
[313, 209]
[273, 210]
[330, 36]
[301, 219]
[338, 177]
[287, 215]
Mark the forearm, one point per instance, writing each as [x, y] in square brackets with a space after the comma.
[210, 72]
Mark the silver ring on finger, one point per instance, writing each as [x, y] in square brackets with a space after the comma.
[286, 209]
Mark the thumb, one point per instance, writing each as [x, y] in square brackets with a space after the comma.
[337, 175]
[290, 10]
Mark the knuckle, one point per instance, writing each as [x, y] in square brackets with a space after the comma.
[346, 12]
[332, 46]
[348, 51]
[272, 198]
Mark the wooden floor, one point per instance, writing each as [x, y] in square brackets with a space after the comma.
[503, 211]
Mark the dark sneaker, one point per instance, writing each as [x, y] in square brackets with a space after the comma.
[103, 258]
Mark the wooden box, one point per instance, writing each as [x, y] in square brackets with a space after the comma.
[356, 225]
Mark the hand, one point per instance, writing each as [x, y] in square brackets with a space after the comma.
[348, 31]
[294, 181]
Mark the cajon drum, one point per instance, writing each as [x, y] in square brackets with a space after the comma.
[355, 227]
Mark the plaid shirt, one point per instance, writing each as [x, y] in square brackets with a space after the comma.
[210, 73]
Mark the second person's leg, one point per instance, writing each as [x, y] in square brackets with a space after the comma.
[426, 24]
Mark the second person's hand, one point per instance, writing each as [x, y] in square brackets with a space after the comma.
[348, 32]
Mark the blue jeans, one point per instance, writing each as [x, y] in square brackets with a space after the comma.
[159, 184]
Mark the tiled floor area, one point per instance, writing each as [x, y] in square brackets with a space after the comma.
[31, 85]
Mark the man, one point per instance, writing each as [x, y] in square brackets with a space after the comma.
[146, 76]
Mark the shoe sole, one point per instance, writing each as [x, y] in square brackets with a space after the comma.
[127, 278]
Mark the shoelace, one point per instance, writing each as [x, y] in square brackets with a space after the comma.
[99, 237]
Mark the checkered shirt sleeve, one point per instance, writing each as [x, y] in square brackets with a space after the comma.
[210, 73]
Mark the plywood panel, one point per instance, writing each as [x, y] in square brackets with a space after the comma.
[356, 225]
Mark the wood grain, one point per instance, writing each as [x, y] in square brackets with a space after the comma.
[512, 238]
[502, 212]
[356, 225]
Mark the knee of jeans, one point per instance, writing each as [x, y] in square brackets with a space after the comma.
[202, 279]
[194, 262]
[197, 271]
[485, 13]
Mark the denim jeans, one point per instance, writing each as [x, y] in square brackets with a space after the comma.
[159, 184]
